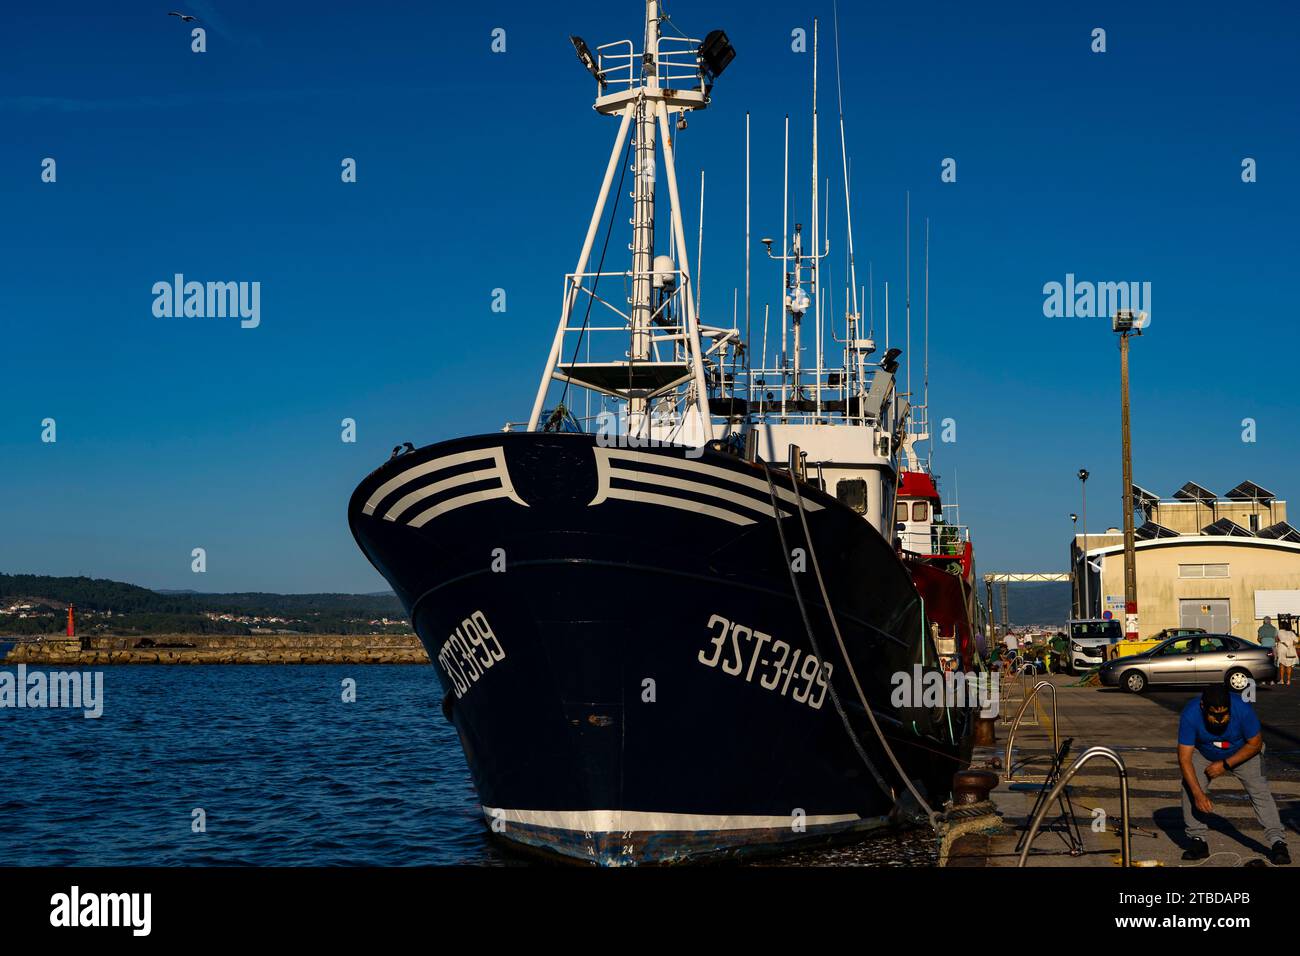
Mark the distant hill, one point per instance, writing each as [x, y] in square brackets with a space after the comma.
[107, 605]
[99, 594]
[1042, 603]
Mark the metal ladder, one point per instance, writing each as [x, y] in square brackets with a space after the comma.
[1113, 757]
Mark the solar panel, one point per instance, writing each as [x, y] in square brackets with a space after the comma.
[1146, 501]
[1194, 492]
[1226, 527]
[1152, 530]
[1145, 497]
[1280, 532]
[1249, 491]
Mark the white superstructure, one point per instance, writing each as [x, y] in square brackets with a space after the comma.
[632, 340]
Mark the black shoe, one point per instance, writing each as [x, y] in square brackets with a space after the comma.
[1199, 850]
[1279, 855]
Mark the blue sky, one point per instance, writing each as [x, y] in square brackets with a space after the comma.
[476, 171]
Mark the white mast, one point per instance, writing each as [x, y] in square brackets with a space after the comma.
[643, 215]
[669, 75]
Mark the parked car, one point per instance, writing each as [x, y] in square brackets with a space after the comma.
[1193, 659]
[1088, 638]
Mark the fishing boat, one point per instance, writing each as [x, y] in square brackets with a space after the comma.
[667, 629]
[936, 548]
[941, 558]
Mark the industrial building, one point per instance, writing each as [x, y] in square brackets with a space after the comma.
[1221, 563]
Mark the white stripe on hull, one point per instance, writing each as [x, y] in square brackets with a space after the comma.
[451, 504]
[608, 460]
[681, 504]
[438, 487]
[497, 471]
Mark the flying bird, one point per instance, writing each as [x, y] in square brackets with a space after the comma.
[185, 17]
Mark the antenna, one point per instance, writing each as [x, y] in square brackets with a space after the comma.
[816, 233]
[848, 209]
[925, 382]
[748, 360]
[907, 289]
[785, 241]
[886, 315]
[699, 252]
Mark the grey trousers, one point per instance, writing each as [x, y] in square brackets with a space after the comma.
[1251, 775]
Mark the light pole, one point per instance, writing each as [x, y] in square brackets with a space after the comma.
[1087, 604]
[1128, 323]
[1074, 576]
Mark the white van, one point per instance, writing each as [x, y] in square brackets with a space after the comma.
[1088, 637]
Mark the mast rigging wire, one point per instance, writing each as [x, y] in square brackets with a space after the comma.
[600, 267]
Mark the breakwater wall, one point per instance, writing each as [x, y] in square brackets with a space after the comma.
[221, 649]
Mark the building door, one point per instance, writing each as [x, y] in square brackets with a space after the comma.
[1210, 614]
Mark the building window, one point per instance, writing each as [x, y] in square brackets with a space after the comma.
[852, 492]
[920, 511]
[1202, 570]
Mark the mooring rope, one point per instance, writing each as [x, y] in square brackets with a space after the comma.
[807, 623]
[931, 815]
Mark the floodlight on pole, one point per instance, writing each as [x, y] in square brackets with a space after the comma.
[1087, 603]
[716, 54]
[1126, 323]
[589, 61]
[1074, 578]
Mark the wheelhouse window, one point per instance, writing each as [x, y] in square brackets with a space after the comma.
[900, 511]
[920, 511]
[852, 493]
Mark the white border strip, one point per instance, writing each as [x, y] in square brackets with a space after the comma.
[630, 821]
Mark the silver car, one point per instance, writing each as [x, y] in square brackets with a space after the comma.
[1193, 659]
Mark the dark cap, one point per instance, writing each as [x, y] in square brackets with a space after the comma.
[1216, 695]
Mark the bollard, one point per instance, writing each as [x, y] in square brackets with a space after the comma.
[972, 786]
[985, 732]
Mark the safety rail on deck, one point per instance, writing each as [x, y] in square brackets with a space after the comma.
[679, 63]
[777, 395]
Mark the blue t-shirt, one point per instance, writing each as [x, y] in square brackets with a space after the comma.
[1242, 725]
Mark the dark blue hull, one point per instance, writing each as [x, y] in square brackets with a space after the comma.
[623, 656]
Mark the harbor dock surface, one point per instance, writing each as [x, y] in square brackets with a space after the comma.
[1143, 730]
[221, 649]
